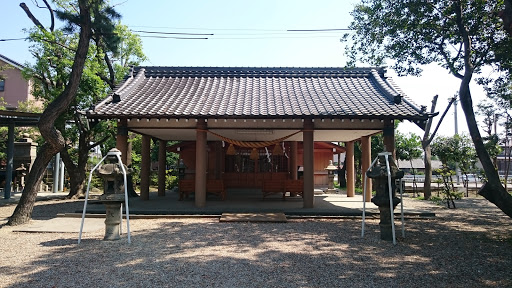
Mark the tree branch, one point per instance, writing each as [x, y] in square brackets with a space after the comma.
[449, 61]
[110, 80]
[453, 99]
[52, 17]
[426, 141]
[32, 17]
[103, 140]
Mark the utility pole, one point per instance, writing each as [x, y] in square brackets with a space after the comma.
[455, 117]
[457, 170]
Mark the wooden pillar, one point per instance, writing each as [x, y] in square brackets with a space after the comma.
[309, 164]
[162, 147]
[366, 147]
[145, 167]
[201, 160]
[351, 179]
[388, 134]
[293, 160]
[122, 140]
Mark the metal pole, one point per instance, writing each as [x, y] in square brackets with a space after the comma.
[125, 199]
[87, 197]
[56, 170]
[457, 170]
[364, 205]
[402, 207]
[61, 176]
[390, 199]
[10, 161]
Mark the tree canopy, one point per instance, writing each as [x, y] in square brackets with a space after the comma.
[462, 36]
[95, 21]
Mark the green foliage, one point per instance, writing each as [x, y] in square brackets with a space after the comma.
[462, 36]
[377, 146]
[408, 146]
[171, 181]
[418, 32]
[103, 21]
[437, 200]
[455, 150]
[104, 64]
[449, 190]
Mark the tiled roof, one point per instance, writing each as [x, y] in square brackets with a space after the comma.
[220, 92]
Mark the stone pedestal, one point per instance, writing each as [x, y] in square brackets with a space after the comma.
[382, 198]
[386, 232]
[112, 221]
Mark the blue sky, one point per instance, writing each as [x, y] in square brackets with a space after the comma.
[245, 33]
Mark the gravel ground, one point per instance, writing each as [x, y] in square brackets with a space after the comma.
[470, 246]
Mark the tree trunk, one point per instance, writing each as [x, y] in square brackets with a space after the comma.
[492, 189]
[427, 189]
[23, 210]
[506, 16]
[54, 140]
[76, 185]
[77, 173]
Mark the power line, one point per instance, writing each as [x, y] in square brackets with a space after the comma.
[13, 39]
[206, 29]
[264, 34]
[171, 37]
[171, 33]
[270, 37]
[319, 30]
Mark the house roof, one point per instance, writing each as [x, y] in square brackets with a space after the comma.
[418, 163]
[233, 92]
[11, 62]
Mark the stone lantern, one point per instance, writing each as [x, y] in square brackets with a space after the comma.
[382, 199]
[113, 193]
[331, 169]
[181, 169]
[21, 172]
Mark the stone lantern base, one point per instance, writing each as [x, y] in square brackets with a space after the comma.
[112, 221]
[386, 231]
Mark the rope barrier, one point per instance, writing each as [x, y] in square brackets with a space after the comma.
[251, 144]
